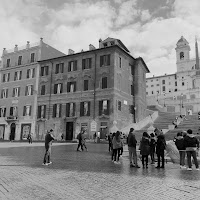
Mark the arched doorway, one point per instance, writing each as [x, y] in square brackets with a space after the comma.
[12, 131]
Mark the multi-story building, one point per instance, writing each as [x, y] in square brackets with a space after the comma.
[180, 91]
[94, 89]
[18, 89]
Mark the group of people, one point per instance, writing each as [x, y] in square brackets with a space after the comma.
[187, 144]
[81, 141]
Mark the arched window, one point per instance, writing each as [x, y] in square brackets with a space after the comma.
[181, 55]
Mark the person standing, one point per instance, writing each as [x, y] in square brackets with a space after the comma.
[117, 143]
[84, 141]
[152, 147]
[160, 149]
[191, 144]
[131, 141]
[110, 142]
[29, 137]
[48, 143]
[79, 137]
[179, 142]
[145, 149]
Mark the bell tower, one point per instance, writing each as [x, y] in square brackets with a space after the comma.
[182, 54]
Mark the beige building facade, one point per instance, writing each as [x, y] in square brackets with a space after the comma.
[98, 90]
[19, 75]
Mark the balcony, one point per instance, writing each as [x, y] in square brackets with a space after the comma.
[11, 118]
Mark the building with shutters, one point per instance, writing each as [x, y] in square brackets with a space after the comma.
[19, 74]
[178, 92]
[92, 90]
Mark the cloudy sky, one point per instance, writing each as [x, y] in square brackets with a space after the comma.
[149, 28]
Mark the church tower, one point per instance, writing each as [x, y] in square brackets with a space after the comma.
[182, 54]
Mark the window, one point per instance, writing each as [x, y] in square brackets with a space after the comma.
[32, 57]
[163, 81]
[29, 90]
[163, 88]
[8, 63]
[70, 109]
[105, 44]
[42, 111]
[4, 93]
[85, 108]
[59, 68]
[181, 55]
[87, 63]
[146, 86]
[169, 83]
[2, 111]
[42, 90]
[27, 111]
[58, 88]
[183, 83]
[6, 77]
[112, 43]
[146, 93]
[104, 107]
[120, 62]
[19, 60]
[132, 69]
[152, 92]
[175, 83]
[72, 66]
[13, 111]
[57, 110]
[30, 73]
[18, 76]
[151, 85]
[157, 84]
[44, 71]
[16, 92]
[71, 87]
[104, 60]
[151, 80]
[119, 105]
[104, 83]
[86, 83]
[175, 90]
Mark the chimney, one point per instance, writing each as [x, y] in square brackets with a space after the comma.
[91, 47]
[4, 51]
[100, 43]
[16, 48]
[41, 41]
[28, 45]
[70, 51]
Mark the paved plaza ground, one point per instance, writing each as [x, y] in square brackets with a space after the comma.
[87, 175]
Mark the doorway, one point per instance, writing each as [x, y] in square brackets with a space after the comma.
[12, 131]
[69, 130]
[103, 132]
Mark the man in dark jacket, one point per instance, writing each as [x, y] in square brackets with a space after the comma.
[160, 149]
[179, 142]
[80, 137]
[48, 141]
[131, 141]
[191, 144]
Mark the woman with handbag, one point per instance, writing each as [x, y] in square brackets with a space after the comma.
[145, 149]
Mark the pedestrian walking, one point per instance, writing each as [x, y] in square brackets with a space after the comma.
[152, 147]
[29, 137]
[179, 142]
[95, 136]
[79, 137]
[145, 149]
[160, 149]
[191, 144]
[131, 141]
[84, 141]
[117, 143]
[48, 143]
[62, 137]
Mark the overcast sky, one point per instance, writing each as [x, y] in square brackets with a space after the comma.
[149, 28]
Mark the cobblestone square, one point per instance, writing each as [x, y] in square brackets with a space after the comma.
[87, 175]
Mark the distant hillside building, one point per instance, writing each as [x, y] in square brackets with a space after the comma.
[19, 75]
[180, 91]
[95, 90]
